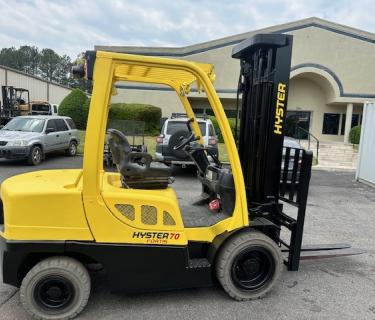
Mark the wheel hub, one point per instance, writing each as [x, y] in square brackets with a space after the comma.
[73, 149]
[252, 268]
[54, 293]
[36, 155]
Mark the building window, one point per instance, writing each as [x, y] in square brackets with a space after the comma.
[331, 123]
[355, 122]
[297, 124]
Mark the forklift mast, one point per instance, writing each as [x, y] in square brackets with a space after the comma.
[264, 83]
[270, 180]
[274, 174]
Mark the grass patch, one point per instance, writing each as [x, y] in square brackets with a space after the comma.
[81, 135]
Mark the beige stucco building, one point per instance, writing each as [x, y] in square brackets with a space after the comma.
[332, 75]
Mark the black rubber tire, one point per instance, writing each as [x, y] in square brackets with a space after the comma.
[68, 269]
[72, 150]
[35, 156]
[233, 248]
[174, 140]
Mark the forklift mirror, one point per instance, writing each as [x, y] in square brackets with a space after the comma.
[79, 72]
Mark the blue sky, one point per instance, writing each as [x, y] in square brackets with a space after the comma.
[72, 26]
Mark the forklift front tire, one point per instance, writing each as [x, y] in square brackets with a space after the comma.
[56, 288]
[249, 265]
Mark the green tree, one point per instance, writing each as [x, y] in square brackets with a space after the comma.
[9, 57]
[355, 134]
[30, 58]
[50, 65]
[74, 106]
[45, 63]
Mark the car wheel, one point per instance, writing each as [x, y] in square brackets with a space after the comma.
[72, 150]
[35, 156]
[56, 288]
[249, 265]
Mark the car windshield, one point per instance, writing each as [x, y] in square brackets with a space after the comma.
[25, 124]
[40, 107]
[174, 126]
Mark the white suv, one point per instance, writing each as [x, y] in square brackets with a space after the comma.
[176, 126]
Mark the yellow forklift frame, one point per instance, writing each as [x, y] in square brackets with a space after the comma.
[101, 191]
[97, 185]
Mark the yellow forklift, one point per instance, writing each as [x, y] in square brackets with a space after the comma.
[16, 102]
[56, 222]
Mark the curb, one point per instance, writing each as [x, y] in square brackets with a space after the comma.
[334, 169]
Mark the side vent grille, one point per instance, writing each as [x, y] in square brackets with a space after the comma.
[127, 210]
[149, 215]
[167, 219]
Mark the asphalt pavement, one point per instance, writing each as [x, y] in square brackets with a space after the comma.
[339, 210]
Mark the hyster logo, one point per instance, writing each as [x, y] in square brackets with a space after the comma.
[280, 106]
[156, 235]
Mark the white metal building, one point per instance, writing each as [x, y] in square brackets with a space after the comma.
[39, 89]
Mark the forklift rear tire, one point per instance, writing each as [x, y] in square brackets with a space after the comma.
[56, 288]
[248, 265]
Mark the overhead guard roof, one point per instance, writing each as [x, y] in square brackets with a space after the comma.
[146, 69]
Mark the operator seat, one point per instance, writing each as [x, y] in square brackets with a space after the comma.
[136, 168]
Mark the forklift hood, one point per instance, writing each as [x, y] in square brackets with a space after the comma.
[44, 205]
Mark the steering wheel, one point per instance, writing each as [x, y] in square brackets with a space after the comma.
[184, 141]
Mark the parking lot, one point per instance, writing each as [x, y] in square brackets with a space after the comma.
[339, 210]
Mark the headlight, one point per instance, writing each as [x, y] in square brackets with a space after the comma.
[17, 143]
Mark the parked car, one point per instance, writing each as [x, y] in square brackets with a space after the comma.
[43, 108]
[176, 126]
[31, 137]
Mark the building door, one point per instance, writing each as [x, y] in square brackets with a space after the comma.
[297, 124]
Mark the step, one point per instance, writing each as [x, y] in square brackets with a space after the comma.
[198, 263]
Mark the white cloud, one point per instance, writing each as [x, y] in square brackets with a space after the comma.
[72, 26]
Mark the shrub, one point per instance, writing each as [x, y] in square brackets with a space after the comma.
[355, 135]
[232, 124]
[147, 113]
[73, 106]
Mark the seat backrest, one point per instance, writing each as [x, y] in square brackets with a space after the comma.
[119, 145]
[134, 167]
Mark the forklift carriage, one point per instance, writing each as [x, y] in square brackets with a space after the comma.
[54, 223]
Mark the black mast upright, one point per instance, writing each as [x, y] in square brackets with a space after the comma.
[265, 70]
